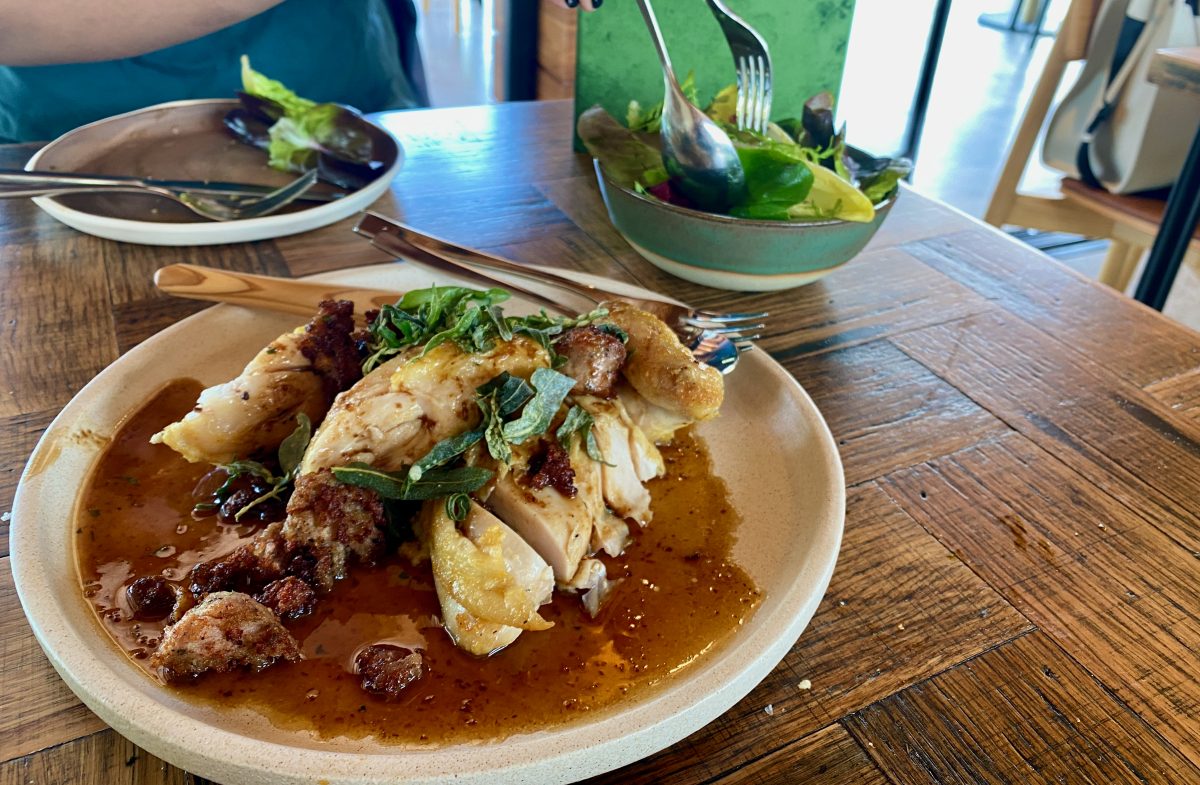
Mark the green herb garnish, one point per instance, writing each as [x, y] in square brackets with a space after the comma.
[578, 421]
[471, 318]
[291, 452]
[433, 484]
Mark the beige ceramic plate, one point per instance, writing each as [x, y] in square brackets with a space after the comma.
[183, 140]
[770, 444]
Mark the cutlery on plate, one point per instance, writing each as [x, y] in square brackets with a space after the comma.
[214, 206]
[686, 322]
[301, 297]
[39, 183]
[753, 63]
[697, 153]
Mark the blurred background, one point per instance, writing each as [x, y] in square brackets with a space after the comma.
[953, 108]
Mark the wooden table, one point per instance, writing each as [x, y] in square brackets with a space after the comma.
[1016, 598]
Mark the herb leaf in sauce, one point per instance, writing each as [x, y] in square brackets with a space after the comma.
[434, 483]
[291, 452]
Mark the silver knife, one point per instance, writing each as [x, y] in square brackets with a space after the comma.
[61, 182]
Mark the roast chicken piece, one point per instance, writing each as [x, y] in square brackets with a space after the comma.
[489, 582]
[557, 526]
[662, 369]
[299, 372]
[630, 459]
[401, 409]
[228, 630]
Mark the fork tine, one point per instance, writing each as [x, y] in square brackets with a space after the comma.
[732, 329]
[743, 88]
[766, 112]
[760, 120]
[762, 95]
[752, 100]
[722, 318]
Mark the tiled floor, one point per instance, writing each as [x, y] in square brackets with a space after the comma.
[984, 80]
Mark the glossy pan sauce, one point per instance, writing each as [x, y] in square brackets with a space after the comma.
[679, 599]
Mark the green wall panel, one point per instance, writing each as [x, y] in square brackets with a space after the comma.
[807, 39]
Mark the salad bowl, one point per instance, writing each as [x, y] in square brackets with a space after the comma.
[739, 254]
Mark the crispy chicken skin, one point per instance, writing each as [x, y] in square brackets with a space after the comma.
[401, 409]
[336, 523]
[662, 369]
[387, 670]
[328, 525]
[228, 630]
[593, 359]
[299, 372]
[489, 582]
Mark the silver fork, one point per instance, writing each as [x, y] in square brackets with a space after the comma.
[753, 63]
[216, 207]
[710, 333]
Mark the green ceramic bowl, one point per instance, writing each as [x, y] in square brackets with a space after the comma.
[734, 253]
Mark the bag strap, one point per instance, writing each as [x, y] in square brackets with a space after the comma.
[1112, 93]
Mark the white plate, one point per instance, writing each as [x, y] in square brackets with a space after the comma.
[770, 444]
[182, 140]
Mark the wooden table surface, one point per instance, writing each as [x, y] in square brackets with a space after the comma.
[1016, 599]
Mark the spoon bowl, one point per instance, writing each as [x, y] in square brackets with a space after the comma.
[699, 156]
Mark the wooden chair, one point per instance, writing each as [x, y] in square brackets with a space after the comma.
[1129, 222]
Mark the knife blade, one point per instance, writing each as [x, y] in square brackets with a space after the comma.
[42, 178]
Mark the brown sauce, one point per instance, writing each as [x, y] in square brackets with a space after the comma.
[681, 598]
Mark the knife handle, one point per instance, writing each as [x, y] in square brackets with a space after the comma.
[262, 291]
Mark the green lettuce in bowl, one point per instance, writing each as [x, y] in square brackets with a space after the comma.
[799, 170]
[812, 202]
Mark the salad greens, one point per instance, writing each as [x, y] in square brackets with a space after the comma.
[513, 412]
[299, 134]
[469, 317]
[798, 170]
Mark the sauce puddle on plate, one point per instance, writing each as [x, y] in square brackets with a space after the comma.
[680, 598]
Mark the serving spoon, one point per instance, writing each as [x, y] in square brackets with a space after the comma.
[698, 155]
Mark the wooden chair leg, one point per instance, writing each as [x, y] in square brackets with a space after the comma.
[1005, 193]
[1120, 262]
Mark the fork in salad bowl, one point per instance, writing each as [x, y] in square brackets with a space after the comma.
[753, 63]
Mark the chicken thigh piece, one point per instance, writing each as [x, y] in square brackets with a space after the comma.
[299, 372]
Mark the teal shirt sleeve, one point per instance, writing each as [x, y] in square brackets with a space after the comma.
[346, 51]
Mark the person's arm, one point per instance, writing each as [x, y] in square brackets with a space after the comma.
[45, 32]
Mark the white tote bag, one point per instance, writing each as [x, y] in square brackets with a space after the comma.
[1114, 129]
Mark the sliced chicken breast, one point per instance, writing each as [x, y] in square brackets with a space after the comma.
[489, 582]
[629, 459]
[401, 409]
[558, 527]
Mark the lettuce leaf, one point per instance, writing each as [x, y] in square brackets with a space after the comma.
[625, 157]
[262, 86]
[307, 128]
